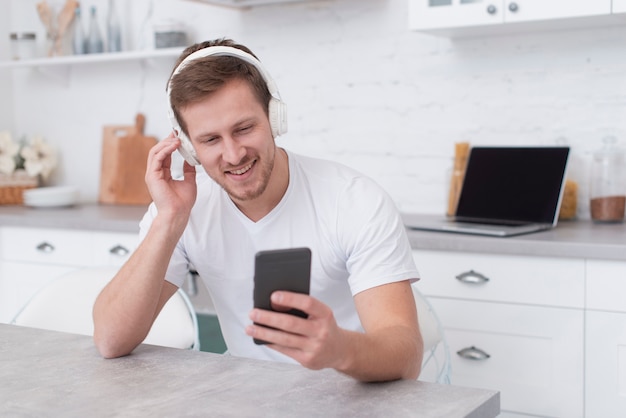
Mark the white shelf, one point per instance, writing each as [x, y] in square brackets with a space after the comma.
[242, 4]
[93, 58]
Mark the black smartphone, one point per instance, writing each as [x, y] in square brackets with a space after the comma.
[285, 269]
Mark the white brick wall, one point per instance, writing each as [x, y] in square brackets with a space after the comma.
[362, 89]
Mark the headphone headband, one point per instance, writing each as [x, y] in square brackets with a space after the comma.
[277, 109]
[229, 51]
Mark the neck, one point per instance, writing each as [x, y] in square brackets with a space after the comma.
[258, 208]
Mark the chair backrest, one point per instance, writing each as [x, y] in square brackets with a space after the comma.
[436, 364]
[66, 303]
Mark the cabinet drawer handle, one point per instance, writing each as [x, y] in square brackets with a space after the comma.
[473, 353]
[513, 7]
[119, 251]
[491, 9]
[472, 277]
[45, 247]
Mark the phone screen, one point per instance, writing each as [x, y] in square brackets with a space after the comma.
[286, 269]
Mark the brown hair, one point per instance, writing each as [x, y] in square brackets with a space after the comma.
[206, 75]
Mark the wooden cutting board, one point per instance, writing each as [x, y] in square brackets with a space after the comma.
[124, 160]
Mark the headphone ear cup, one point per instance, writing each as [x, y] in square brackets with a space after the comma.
[278, 117]
[186, 149]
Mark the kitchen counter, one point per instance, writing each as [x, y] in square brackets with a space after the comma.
[46, 373]
[576, 239]
[94, 217]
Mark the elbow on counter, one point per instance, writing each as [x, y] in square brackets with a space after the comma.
[109, 348]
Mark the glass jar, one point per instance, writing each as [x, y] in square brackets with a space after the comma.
[23, 45]
[608, 186]
[169, 34]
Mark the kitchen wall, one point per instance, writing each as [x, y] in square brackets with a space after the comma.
[6, 93]
[361, 89]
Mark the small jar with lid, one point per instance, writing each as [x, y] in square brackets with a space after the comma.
[608, 186]
[23, 45]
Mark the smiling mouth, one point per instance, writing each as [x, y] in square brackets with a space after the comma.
[242, 170]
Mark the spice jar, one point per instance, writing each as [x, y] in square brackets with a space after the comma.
[608, 186]
[23, 45]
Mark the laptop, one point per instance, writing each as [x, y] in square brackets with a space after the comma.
[507, 191]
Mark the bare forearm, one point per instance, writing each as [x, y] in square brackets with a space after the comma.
[126, 308]
[389, 354]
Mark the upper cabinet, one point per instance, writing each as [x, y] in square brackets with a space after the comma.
[452, 17]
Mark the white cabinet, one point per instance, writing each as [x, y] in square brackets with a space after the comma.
[432, 14]
[502, 278]
[113, 249]
[532, 354]
[31, 257]
[513, 324]
[439, 14]
[605, 324]
[46, 246]
[527, 10]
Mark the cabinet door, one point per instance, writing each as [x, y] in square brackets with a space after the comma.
[113, 249]
[619, 6]
[533, 355]
[433, 14]
[48, 246]
[605, 365]
[530, 10]
[20, 281]
[605, 285]
[502, 278]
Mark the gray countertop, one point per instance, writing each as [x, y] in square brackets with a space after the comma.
[577, 239]
[95, 217]
[46, 373]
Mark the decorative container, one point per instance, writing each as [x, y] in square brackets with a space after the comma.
[12, 187]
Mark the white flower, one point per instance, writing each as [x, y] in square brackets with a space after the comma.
[8, 151]
[39, 158]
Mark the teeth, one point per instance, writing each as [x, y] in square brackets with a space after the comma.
[242, 170]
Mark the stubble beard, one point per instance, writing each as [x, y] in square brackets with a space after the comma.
[265, 166]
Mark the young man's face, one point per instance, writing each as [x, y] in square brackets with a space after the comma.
[231, 134]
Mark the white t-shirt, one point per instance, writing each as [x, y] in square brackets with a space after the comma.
[354, 231]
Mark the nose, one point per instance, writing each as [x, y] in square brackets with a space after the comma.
[233, 152]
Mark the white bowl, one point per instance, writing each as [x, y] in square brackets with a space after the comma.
[51, 196]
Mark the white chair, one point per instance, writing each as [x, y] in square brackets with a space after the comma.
[436, 364]
[66, 303]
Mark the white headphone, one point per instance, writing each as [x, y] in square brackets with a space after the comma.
[277, 108]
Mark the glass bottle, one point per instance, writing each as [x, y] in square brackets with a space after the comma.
[607, 190]
[114, 36]
[78, 37]
[94, 41]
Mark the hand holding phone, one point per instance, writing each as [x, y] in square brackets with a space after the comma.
[286, 269]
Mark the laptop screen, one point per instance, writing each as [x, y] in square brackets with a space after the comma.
[513, 184]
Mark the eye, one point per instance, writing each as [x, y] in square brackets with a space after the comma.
[208, 139]
[244, 129]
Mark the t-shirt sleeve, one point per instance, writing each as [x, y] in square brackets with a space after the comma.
[373, 236]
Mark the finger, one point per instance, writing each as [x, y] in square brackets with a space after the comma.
[160, 154]
[275, 336]
[283, 322]
[290, 300]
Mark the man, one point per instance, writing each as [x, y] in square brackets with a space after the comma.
[361, 320]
